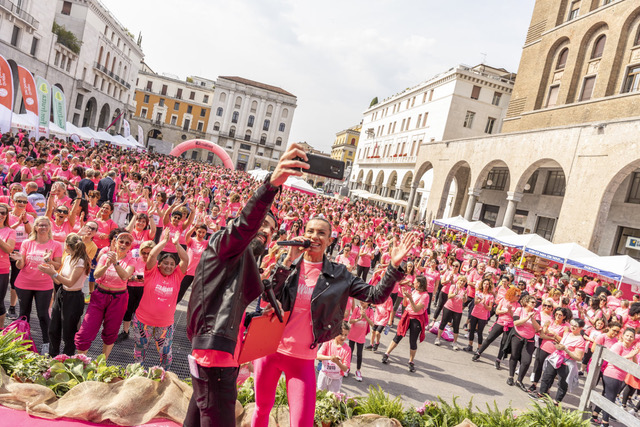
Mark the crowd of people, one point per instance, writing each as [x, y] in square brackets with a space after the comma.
[104, 238]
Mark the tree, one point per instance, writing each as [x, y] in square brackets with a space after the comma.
[374, 101]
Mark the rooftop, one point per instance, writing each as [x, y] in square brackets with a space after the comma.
[257, 84]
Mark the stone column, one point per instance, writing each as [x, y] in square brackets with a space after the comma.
[471, 203]
[400, 208]
[411, 202]
[512, 200]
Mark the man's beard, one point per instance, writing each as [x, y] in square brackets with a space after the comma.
[257, 246]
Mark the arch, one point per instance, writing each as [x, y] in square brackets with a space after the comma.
[285, 113]
[238, 103]
[484, 173]
[461, 172]
[105, 114]
[90, 110]
[598, 47]
[254, 106]
[619, 64]
[379, 182]
[562, 58]
[113, 63]
[554, 50]
[367, 182]
[581, 62]
[406, 181]
[116, 115]
[360, 176]
[206, 145]
[522, 180]
[106, 61]
[393, 179]
[222, 97]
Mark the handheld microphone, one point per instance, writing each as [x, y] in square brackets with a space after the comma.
[305, 243]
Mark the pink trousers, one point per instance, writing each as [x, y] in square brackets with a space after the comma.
[301, 388]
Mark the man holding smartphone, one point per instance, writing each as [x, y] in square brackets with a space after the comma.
[226, 281]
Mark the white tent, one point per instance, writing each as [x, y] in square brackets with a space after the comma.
[134, 142]
[457, 223]
[300, 185]
[621, 268]
[494, 234]
[561, 253]
[57, 130]
[363, 194]
[122, 141]
[81, 133]
[89, 131]
[521, 241]
[104, 136]
[22, 121]
[258, 174]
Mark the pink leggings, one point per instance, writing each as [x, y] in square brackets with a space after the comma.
[301, 388]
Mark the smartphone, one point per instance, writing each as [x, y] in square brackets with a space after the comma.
[140, 276]
[324, 166]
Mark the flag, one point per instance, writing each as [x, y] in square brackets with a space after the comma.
[43, 91]
[126, 129]
[28, 89]
[140, 136]
[59, 107]
[114, 121]
[6, 95]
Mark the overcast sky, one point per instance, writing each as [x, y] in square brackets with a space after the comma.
[335, 56]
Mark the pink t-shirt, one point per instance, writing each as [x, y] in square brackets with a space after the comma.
[60, 232]
[574, 342]
[525, 330]
[110, 279]
[359, 329]
[611, 371]
[30, 277]
[418, 298]
[330, 348]
[455, 302]
[195, 250]
[506, 319]
[6, 234]
[103, 227]
[21, 233]
[432, 277]
[158, 304]
[366, 254]
[298, 334]
[547, 345]
[381, 312]
[138, 270]
[139, 237]
[479, 312]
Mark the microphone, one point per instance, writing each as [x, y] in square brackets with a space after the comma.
[304, 243]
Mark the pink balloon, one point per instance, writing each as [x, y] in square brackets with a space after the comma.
[207, 145]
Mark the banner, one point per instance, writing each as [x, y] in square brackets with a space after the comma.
[140, 136]
[59, 107]
[43, 90]
[28, 89]
[126, 129]
[6, 95]
[114, 121]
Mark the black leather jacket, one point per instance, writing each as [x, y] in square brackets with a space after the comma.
[227, 278]
[330, 295]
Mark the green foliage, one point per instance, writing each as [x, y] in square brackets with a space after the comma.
[327, 410]
[13, 351]
[378, 402]
[246, 392]
[66, 38]
[281, 393]
[447, 415]
[496, 417]
[412, 418]
[551, 415]
[374, 101]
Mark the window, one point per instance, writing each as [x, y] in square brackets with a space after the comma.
[200, 126]
[424, 119]
[63, 62]
[634, 189]
[69, 65]
[636, 41]
[545, 226]
[158, 117]
[238, 103]
[179, 94]
[497, 96]
[192, 95]
[79, 100]
[146, 99]
[232, 131]
[555, 184]
[205, 99]
[587, 88]
[34, 47]
[489, 214]
[418, 121]
[164, 90]
[189, 109]
[219, 112]
[161, 102]
[245, 147]
[149, 85]
[281, 127]
[176, 106]
[263, 139]
[143, 113]
[174, 119]
[203, 112]
[254, 106]
[552, 98]
[623, 235]
[562, 59]
[475, 92]
[269, 111]
[216, 126]
[278, 142]
[250, 121]
[598, 47]
[468, 119]
[491, 121]
[265, 125]
[234, 117]
[530, 186]
[57, 60]
[430, 95]
[66, 8]
[247, 136]
[497, 179]
[408, 123]
[223, 97]
[574, 10]
[632, 79]
[15, 36]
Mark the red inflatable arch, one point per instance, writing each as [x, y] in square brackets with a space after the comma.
[207, 145]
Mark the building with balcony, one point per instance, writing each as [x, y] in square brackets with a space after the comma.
[251, 121]
[345, 144]
[460, 102]
[172, 110]
[96, 71]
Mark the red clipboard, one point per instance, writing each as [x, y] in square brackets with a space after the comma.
[262, 337]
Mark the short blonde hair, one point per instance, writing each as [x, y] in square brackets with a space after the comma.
[32, 235]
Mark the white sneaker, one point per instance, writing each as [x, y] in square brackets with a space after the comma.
[45, 348]
[358, 376]
[437, 341]
[455, 347]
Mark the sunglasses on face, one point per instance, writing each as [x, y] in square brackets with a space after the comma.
[547, 305]
[22, 202]
[63, 212]
[92, 228]
[146, 253]
[124, 242]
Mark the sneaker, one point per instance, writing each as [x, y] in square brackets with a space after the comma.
[375, 346]
[369, 347]
[412, 367]
[122, 336]
[580, 373]
[455, 347]
[45, 348]
[521, 386]
[346, 375]
[358, 376]
[11, 314]
[532, 388]
[468, 349]
[385, 358]
[498, 365]
[475, 357]
[510, 381]
[437, 342]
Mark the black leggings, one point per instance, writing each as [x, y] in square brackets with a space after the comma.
[14, 274]
[135, 295]
[442, 300]
[352, 345]
[4, 285]
[541, 356]
[450, 316]
[550, 375]
[43, 299]
[521, 351]
[184, 285]
[362, 272]
[611, 388]
[414, 333]
[626, 394]
[476, 326]
[494, 333]
[429, 304]
[66, 313]
[396, 303]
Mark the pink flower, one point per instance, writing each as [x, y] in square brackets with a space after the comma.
[82, 357]
[47, 374]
